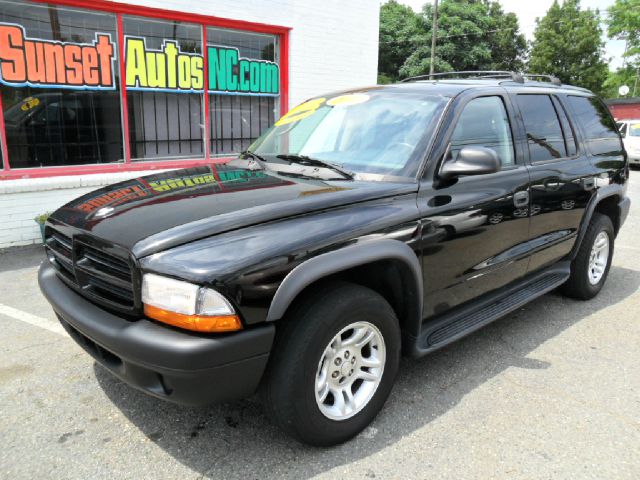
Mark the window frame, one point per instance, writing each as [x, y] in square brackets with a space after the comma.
[459, 108]
[126, 164]
[556, 103]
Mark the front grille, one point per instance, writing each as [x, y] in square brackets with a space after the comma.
[101, 273]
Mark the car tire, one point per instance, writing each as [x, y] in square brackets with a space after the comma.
[307, 352]
[588, 270]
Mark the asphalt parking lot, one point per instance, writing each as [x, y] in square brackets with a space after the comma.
[552, 391]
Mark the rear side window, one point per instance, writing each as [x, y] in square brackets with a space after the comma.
[600, 130]
[484, 122]
[544, 132]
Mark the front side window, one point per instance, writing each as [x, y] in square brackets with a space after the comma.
[601, 133]
[544, 133]
[368, 132]
[484, 123]
[634, 129]
[59, 81]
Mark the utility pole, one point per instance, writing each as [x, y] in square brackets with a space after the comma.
[434, 31]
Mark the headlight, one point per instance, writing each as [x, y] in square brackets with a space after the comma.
[188, 306]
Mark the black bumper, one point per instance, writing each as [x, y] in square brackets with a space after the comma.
[178, 366]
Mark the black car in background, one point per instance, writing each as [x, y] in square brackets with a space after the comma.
[363, 225]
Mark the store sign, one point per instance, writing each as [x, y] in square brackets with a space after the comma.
[230, 73]
[166, 69]
[42, 63]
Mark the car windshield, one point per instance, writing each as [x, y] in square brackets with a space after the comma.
[370, 132]
[634, 130]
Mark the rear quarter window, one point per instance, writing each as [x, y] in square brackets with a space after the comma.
[601, 134]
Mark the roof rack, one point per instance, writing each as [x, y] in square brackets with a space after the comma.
[550, 78]
[497, 74]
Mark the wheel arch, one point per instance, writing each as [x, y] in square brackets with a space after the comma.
[389, 267]
[606, 201]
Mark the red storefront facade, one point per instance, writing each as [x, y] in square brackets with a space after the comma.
[208, 109]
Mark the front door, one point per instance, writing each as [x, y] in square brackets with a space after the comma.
[475, 228]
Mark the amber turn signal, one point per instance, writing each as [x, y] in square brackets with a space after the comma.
[196, 323]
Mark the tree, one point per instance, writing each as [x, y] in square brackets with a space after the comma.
[624, 24]
[508, 46]
[401, 30]
[472, 35]
[567, 43]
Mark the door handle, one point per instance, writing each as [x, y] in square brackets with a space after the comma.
[521, 199]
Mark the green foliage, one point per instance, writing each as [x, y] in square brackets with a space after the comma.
[400, 31]
[624, 24]
[472, 35]
[568, 45]
[42, 218]
[623, 76]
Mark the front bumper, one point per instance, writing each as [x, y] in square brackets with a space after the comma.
[179, 366]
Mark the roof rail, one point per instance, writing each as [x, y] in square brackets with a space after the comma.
[516, 77]
[550, 78]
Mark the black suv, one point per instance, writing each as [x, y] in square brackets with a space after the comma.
[362, 225]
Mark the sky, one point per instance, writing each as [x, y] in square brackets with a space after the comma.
[527, 11]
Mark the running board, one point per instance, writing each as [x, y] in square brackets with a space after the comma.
[440, 332]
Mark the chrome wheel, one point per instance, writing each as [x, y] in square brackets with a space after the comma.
[599, 258]
[350, 371]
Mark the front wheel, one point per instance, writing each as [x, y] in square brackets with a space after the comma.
[590, 268]
[334, 364]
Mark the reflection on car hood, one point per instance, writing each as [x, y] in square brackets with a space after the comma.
[155, 212]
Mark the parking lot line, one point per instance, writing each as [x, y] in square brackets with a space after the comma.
[32, 319]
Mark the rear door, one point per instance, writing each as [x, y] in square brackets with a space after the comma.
[475, 228]
[562, 176]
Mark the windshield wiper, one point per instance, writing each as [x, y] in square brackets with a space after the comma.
[255, 157]
[315, 162]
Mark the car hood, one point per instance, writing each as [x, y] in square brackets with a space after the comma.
[155, 212]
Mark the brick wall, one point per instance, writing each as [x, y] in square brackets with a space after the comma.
[22, 200]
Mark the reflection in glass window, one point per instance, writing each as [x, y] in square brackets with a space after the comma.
[602, 136]
[484, 123]
[239, 118]
[53, 126]
[544, 134]
[165, 100]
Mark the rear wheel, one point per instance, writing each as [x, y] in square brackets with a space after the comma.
[590, 268]
[334, 365]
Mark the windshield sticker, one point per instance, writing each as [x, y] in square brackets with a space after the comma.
[301, 111]
[40, 63]
[29, 103]
[349, 99]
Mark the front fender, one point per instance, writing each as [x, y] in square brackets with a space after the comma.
[355, 255]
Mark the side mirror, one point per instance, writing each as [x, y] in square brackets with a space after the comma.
[471, 161]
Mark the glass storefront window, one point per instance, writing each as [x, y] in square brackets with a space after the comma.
[63, 97]
[59, 85]
[165, 84]
[244, 97]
